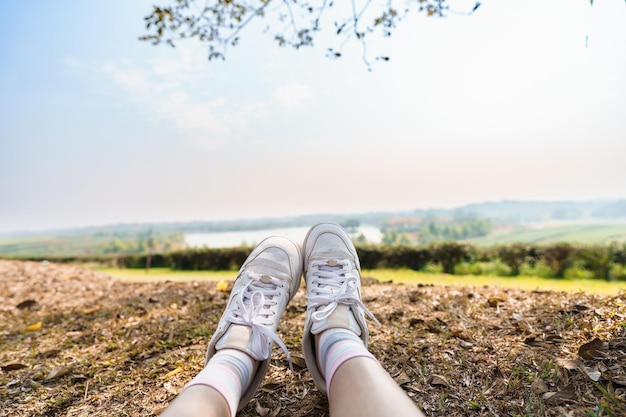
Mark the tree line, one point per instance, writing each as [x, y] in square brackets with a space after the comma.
[558, 260]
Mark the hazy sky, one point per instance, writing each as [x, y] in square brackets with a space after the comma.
[523, 100]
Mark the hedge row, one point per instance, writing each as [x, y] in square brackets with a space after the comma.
[598, 260]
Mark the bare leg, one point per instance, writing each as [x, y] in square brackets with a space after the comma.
[335, 332]
[238, 354]
[361, 387]
[198, 400]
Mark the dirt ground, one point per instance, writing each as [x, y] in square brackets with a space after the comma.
[74, 342]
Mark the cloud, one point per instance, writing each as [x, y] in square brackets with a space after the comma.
[293, 95]
[177, 90]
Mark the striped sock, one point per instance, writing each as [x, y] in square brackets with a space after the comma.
[229, 372]
[337, 346]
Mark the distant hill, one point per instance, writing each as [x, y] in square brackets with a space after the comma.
[542, 211]
[510, 212]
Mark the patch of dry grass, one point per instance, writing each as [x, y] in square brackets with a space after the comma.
[126, 349]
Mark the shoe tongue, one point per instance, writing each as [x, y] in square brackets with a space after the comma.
[342, 318]
[236, 337]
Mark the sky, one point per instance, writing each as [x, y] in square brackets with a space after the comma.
[522, 100]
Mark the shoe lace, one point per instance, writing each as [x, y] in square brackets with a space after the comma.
[334, 283]
[253, 309]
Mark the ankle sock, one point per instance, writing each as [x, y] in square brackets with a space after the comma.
[335, 347]
[229, 372]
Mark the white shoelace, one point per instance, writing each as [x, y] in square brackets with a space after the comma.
[333, 284]
[253, 309]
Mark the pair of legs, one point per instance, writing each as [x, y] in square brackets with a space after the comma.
[334, 340]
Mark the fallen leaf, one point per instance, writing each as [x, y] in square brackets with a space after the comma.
[593, 373]
[172, 373]
[26, 304]
[402, 378]
[493, 301]
[58, 372]
[538, 386]
[91, 310]
[567, 394]
[298, 361]
[13, 367]
[275, 412]
[159, 409]
[78, 378]
[262, 411]
[222, 286]
[594, 349]
[438, 380]
[569, 363]
[271, 387]
[48, 353]
[74, 336]
[33, 327]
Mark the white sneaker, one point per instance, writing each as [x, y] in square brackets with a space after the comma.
[333, 281]
[267, 280]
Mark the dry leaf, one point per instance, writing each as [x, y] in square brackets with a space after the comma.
[172, 373]
[48, 353]
[74, 336]
[402, 378]
[493, 301]
[593, 373]
[594, 349]
[271, 387]
[222, 286]
[567, 394]
[91, 310]
[438, 380]
[33, 327]
[58, 372]
[262, 411]
[13, 367]
[26, 304]
[569, 363]
[298, 361]
[159, 409]
[538, 386]
[275, 412]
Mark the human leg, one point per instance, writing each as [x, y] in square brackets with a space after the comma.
[238, 354]
[335, 333]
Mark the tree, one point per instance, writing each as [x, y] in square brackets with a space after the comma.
[559, 257]
[448, 254]
[294, 23]
[514, 255]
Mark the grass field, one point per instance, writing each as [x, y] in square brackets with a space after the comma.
[404, 276]
[581, 233]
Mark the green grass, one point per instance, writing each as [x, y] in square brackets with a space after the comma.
[404, 276]
[580, 233]
[408, 276]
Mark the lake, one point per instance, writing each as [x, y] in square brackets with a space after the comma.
[252, 237]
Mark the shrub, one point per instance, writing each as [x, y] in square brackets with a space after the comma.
[448, 254]
[558, 257]
[514, 255]
[596, 259]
